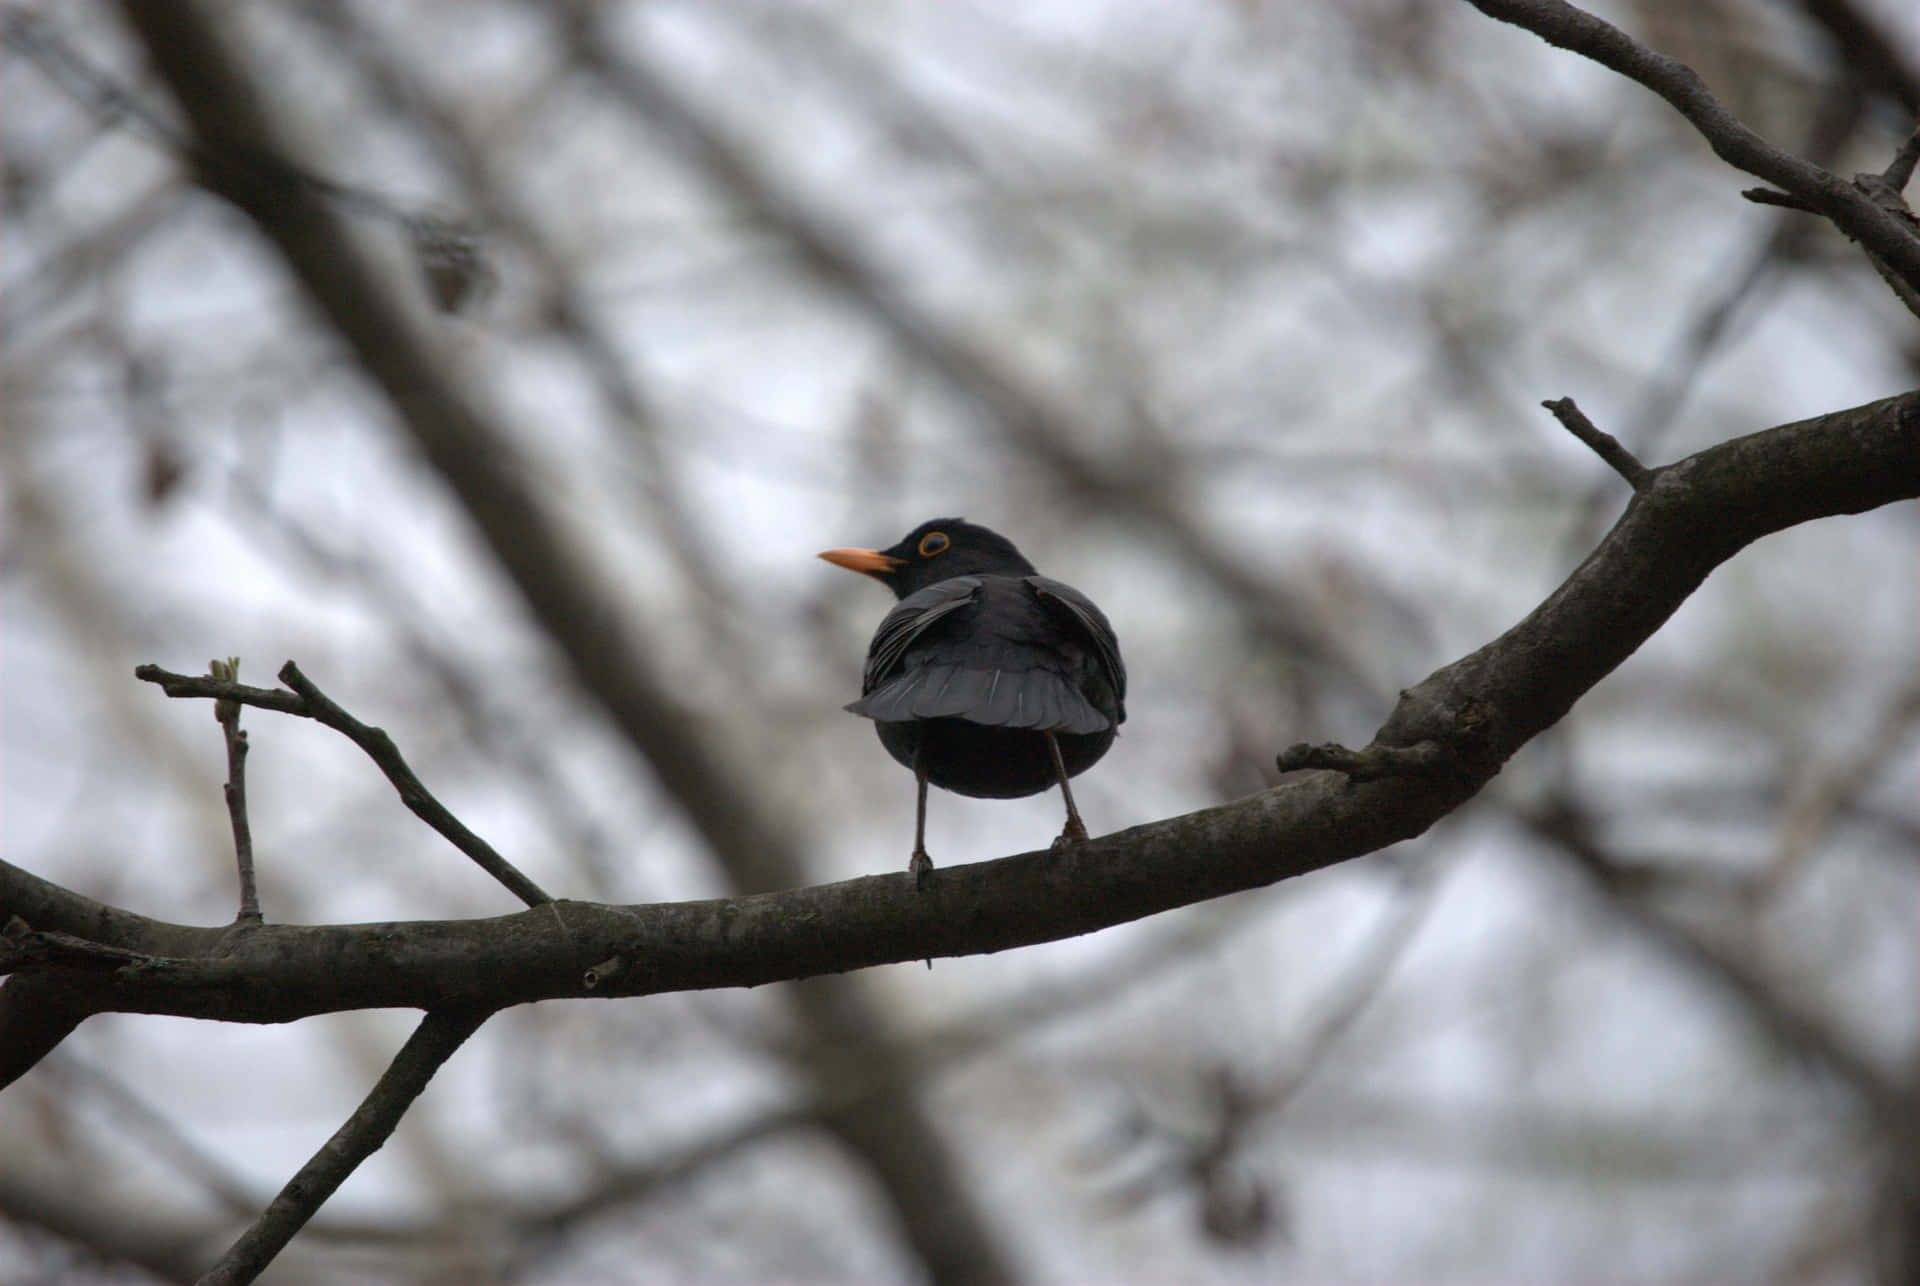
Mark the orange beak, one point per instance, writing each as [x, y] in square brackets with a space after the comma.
[870, 561]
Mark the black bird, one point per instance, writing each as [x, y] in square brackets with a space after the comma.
[988, 679]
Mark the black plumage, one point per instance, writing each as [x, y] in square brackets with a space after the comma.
[987, 679]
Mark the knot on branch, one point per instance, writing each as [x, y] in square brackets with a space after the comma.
[1424, 737]
[24, 947]
[1422, 759]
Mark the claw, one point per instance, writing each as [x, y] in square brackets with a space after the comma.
[1076, 830]
[919, 866]
[1074, 833]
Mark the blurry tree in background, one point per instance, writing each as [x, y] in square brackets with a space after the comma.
[1235, 315]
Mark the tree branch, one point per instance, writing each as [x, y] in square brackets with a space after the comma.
[1371, 764]
[309, 702]
[36, 1014]
[432, 1043]
[1899, 171]
[1604, 445]
[228, 714]
[1695, 514]
[1849, 208]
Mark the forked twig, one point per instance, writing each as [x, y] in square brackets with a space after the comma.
[308, 702]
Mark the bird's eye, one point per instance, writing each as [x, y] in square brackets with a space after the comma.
[934, 542]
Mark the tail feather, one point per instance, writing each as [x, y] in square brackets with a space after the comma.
[998, 698]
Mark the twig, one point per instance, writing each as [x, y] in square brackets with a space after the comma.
[1884, 189]
[308, 702]
[26, 34]
[1730, 296]
[432, 1043]
[1900, 169]
[278, 700]
[1785, 200]
[227, 712]
[1604, 445]
[380, 748]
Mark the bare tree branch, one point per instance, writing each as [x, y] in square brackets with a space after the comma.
[1851, 210]
[1692, 515]
[35, 1016]
[228, 714]
[1899, 171]
[440, 1033]
[309, 702]
[1370, 764]
[1604, 445]
[1866, 50]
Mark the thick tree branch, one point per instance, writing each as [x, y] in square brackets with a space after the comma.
[1854, 211]
[1370, 764]
[36, 1014]
[1692, 516]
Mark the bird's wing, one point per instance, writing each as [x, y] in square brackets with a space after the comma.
[992, 681]
[1078, 608]
[908, 621]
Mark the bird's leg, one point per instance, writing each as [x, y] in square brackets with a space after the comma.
[920, 864]
[1076, 830]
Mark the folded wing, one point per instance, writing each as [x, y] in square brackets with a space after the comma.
[974, 648]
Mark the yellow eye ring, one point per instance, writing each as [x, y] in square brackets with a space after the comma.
[934, 542]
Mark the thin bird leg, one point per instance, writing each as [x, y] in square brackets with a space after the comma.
[920, 864]
[1076, 831]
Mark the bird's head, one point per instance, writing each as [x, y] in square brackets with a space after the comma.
[933, 552]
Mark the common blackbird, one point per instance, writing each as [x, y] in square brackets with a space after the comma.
[988, 679]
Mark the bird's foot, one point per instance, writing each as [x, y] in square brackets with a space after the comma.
[919, 866]
[1075, 833]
